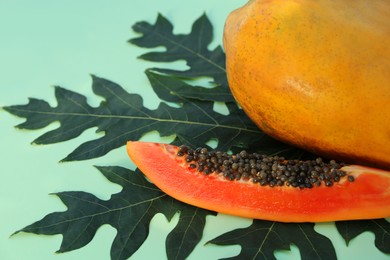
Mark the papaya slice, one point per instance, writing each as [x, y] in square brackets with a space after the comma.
[354, 192]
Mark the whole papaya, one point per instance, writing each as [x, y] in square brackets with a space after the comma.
[315, 74]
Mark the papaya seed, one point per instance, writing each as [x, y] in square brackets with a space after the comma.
[266, 170]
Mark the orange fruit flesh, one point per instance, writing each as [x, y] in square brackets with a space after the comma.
[368, 197]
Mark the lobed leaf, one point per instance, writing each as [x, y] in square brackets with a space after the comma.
[263, 238]
[129, 211]
[122, 117]
[380, 227]
[192, 48]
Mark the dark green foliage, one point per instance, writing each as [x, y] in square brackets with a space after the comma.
[121, 116]
[193, 48]
[263, 238]
[129, 211]
[380, 227]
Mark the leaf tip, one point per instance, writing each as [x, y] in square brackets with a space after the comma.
[15, 233]
[62, 161]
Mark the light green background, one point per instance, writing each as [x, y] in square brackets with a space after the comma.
[45, 43]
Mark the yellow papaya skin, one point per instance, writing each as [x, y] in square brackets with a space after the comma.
[315, 74]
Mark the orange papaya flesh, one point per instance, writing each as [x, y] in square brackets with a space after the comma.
[315, 74]
[364, 193]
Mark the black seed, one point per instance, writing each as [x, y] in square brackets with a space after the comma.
[314, 173]
[263, 182]
[202, 157]
[325, 169]
[342, 173]
[243, 154]
[328, 183]
[296, 168]
[226, 162]
[308, 185]
[319, 160]
[203, 151]
[193, 165]
[263, 175]
[283, 178]
[303, 167]
[255, 180]
[351, 178]
[282, 167]
[234, 166]
[214, 160]
[183, 149]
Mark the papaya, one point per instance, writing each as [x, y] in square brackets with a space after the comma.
[315, 74]
[320, 191]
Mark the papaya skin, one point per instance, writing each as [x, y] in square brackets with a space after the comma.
[315, 74]
[367, 197]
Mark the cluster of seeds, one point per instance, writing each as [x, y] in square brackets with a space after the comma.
[265, 170]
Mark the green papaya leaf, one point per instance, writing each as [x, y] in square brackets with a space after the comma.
[193, 48]
[129, 211]
[187, 233]
[380, 227]
[263, 238]
[122, 117]
[171, 88]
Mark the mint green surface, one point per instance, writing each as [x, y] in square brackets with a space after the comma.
[45, 43]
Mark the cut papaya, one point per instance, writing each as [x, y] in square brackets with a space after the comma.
[228, 184]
